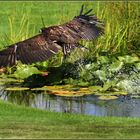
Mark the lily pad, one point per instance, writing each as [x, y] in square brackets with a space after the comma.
[120, 93]
[66, 93]
[64, 87]
[6, 80]
[56, 87]
[17, 88]
[39, 89]
[105, 97]
[109, 93]
[135, 97]
[68, 90]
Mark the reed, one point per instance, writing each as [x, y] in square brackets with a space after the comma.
[21, 20]
[121, 20]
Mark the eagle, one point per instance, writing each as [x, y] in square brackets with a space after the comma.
[51, 39]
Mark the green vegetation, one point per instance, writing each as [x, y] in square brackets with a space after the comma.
[110, 67]
[104, 75]
[111, 62]
[21, 122]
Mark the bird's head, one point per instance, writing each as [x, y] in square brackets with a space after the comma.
[42, 30]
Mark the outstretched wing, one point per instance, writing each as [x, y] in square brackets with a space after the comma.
[82, 27]
[34, 49]
[43, 46]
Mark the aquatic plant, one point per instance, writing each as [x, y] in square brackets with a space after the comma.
[110, 61]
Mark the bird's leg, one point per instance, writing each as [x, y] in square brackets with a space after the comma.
[64, 58]
[64, 49]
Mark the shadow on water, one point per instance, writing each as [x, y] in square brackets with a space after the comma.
[89, 104]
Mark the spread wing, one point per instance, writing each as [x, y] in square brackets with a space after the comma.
[34, 49]
[83, 27]
[46, 44]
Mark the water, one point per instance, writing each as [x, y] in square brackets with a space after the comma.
[123, 106]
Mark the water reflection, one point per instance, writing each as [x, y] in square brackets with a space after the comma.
[83, 105]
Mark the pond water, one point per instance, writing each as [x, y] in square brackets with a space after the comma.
[89, 104]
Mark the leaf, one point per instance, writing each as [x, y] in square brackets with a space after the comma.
[86, 75]
[101, 74]
[16, 88]
[120, 93]
[110, 93]
[103, 59]
[121, 58]
[83, 84]
[135, 96]
[95, 88]
[129, 59]
[1, 83]
[137, 65]
[126, 85]
[107, 97]
[88, 66]
[67, 90]
[39, 89]
[106, 86]
[12, 80]
[116, 66]
[24, 71]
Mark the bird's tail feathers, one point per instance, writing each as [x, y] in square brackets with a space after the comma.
[82, 9]
[87, 17]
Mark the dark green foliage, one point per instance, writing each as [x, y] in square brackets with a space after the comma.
[108, 71]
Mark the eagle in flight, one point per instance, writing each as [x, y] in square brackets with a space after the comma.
[64, 37]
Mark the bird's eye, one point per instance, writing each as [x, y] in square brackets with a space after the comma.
[40, 31]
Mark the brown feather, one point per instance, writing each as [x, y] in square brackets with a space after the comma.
[36, 49]
[42, 46]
